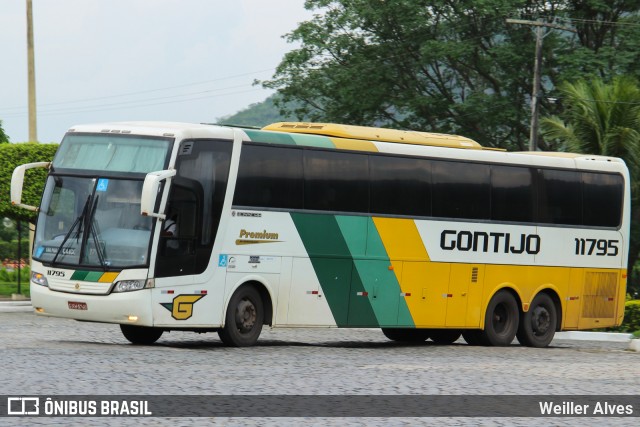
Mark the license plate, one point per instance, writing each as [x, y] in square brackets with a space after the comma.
[77, 305]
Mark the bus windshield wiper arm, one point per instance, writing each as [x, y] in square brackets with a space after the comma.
[90, 225]
[76, 223]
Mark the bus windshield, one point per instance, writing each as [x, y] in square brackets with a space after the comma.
[113, 153]
[92, 222]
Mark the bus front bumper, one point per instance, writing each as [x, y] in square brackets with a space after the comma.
[132, 308]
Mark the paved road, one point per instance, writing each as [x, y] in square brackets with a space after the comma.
[57, 356]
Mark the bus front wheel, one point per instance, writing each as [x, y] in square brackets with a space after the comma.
[501, 319]
[538, 325]
[244, 318]
[143, 335]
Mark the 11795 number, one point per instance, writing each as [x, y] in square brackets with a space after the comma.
[598, 247]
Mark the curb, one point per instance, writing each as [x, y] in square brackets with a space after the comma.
[593, 336]
[8, 306]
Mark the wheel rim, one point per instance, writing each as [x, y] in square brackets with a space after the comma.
[540, 321]
[501, 319]
[246, 315]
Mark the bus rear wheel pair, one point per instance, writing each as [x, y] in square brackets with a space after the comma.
[504, 322]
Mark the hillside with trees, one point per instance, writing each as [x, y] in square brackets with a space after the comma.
[258, 115]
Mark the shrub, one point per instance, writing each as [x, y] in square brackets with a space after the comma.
[631, 322]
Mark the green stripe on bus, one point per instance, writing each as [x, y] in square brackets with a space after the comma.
[330, 258]
[270, 137]
[373, 274]
[79, 275]
[349, 258]
[93, 276]
[402, 317]
[313, 140]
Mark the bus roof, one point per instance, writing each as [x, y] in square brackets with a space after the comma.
[376, 134]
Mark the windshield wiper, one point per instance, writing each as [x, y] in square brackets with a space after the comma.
[91, 226]
[78, 222]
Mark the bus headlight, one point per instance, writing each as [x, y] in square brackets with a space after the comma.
[39, 279]
[129, 285]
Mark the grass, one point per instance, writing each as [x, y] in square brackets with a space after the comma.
[9, 288]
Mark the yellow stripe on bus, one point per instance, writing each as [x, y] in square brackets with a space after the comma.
[354, 144]
[419, 278]
[108, 277]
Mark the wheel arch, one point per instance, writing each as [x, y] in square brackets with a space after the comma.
[265, 291]
[509, 287]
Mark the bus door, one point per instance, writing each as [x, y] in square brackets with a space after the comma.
[193, 210]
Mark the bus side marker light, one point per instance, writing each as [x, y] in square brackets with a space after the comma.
[405, 294]
[132, 318]
[525, 307]
[363, 294]
[312, 292]
[39, 309]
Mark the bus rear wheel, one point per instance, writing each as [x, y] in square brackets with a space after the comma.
[142, 335]
[501, 319]
[244, 318]
[444, 336]
[538, 325]
[407, 335]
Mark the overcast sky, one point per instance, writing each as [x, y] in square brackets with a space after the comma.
[109, 60]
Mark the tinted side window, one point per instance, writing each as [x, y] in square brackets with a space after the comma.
[512, 193]
[460, 190]
[602, 199]
[560, 197]
[269, 177]
[400, 186]
[336, 181]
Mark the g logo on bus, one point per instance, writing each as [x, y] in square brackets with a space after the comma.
[182, 306]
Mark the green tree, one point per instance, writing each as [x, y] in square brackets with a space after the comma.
[12, 155]
[3, 136]
[603, 119]
[451, 66]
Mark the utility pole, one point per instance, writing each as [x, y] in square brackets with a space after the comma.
[31, 76]
[537, 73]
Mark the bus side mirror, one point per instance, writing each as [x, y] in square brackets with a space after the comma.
[17, 182]
[150, 190]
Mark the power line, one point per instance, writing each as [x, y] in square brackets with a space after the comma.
[119, 107]
[144, 91]
[595, 21]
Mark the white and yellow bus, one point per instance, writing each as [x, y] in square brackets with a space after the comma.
[168, 226]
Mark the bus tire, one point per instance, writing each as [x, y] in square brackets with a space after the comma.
[444, 336]
[142, 335]
[406, 335]
[244, 318]
[538, 325]
[501, 319]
